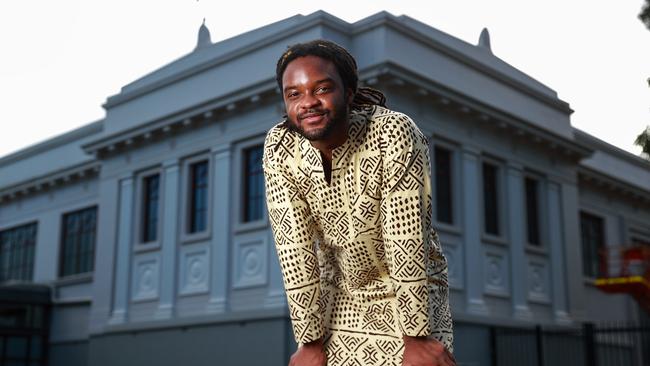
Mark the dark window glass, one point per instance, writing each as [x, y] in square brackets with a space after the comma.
[151, 199]
[443, 174]
[78, 242]
[491, 198]
[198, 196]
[593, 236]
[532, 210]
[253, 184]
[17, 253]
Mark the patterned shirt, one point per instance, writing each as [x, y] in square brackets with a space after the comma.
[361, 262]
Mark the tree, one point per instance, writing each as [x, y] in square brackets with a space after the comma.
[644, 15]
[643, 140]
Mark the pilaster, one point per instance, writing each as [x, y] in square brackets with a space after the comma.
[472, 232]
[558, 269]
[124, 236]
[517, 235]
[220, 228]
[171, 175]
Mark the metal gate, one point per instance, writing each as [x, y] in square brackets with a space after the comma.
[589, 345]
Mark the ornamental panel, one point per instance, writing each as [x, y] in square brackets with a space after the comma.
[194, 270]
[538, 281]
[250, 261]
[146, 277]
[496, 272]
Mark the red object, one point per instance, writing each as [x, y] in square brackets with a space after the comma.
[626, 270]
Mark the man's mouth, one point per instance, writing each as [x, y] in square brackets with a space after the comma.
[311, 117]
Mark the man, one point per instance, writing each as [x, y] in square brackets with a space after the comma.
[349, 199]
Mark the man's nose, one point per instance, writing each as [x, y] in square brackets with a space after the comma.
[309, 101]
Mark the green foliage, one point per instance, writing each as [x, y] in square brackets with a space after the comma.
[643, 140]
[644, 15]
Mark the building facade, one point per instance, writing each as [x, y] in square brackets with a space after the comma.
[150, 226]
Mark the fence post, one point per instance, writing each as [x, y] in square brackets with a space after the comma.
[591, 358]
[493, 345]
[539, 342]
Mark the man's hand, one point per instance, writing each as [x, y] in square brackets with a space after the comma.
[310, 354]
[420, 351]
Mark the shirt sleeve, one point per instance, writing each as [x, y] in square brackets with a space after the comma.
[418, 268]
[294, 234]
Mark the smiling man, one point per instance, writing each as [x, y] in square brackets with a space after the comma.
[349, 198]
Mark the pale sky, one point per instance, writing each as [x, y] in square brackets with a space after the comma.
[60, 60]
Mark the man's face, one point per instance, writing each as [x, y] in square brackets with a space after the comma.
[314, 97]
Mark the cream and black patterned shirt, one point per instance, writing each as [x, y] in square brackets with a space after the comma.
[361, 262]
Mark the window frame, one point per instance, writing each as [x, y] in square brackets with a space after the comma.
[238, 187]
[454, 226]
[541, 211]
[62, 233]
[186, 198]
[501, 236]
[603, 233]
[138, 232]
[35, 245]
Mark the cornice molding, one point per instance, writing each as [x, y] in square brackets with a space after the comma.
[606, 182]
[395, 75]
[184, 120]
[393, 22]
[65, 138]
[485, 116]
[608, 148]
[50, 181]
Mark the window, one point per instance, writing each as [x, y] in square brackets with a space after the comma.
[198, 195]
[78, 242]
[443, 174]
[593, 240]
[532, 210]
[491, 198]
[150, 203]
[253, 205]
[17, 253]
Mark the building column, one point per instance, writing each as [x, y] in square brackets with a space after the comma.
[517, 236]
[221, 164]
[472, 232]
[573, 249]
[558, 269]
[124, 236]
[171, 175]
[103, 285]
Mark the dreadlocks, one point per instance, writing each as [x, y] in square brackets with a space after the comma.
[344, 63]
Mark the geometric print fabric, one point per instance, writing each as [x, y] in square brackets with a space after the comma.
[361, 262]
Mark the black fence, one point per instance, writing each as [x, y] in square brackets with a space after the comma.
[589, 345]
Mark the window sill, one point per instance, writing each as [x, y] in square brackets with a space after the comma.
[493, 239]
[148, 247]
[536, 249]
[74, 279]
[447, 228]
[195, 237]
[251, 226]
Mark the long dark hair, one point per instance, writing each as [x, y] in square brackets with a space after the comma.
[345, 65]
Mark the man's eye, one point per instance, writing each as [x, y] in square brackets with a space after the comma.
[323, 89]
[292, 94]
